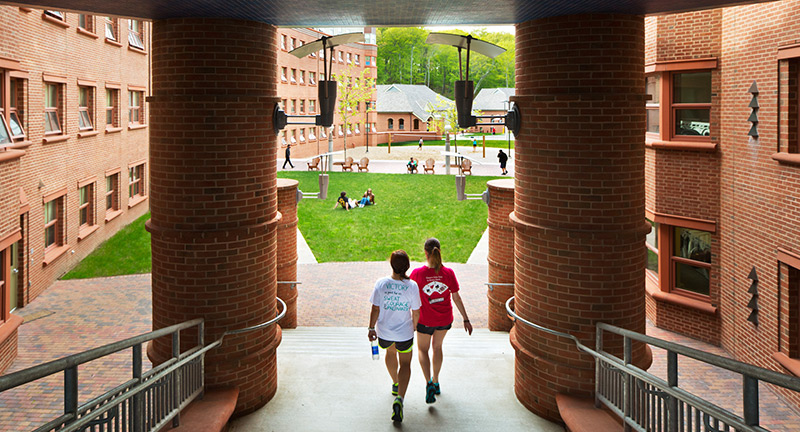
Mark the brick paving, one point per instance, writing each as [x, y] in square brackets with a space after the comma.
[76, 315]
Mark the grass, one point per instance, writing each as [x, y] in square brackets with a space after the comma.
[127, 252]
[408, 210]
[461, 142]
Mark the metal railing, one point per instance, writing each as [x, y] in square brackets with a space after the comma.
[646, 402]
[146, 402]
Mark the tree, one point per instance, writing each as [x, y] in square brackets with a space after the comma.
[352, 91]
[444, 114]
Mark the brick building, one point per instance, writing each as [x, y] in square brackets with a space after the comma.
[403, 111]
[73, 145]
[297, 88]
[722, 179]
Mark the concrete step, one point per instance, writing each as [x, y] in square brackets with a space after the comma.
[209, 414]
[580, 415]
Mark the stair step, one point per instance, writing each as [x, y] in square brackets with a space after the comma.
[211, 413]
[580, 415]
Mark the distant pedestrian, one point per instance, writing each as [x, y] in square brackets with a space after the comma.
[420, 144]
[503, 158]
[288, 156]
[392, 320]
[474, 145]
[492, 131]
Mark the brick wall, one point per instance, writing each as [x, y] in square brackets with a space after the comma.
[306, 91]
[40, 47]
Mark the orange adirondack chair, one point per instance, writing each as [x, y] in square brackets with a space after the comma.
[348, 164]
[314, 164]
[429, 165]
[362, 164]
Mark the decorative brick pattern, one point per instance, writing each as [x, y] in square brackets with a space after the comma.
[287, 249]
[501, 251]
[579, 196]
[214, 202]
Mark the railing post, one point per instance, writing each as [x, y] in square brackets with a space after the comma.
[750, 400]
[626, 396]
[137, 411]
[598, 346]
[201, 342]
[672, 380]
[176, 379]
[71, 392]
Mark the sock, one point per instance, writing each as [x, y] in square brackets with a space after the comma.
[400, 398]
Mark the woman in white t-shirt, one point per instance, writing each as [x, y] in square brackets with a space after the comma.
[395, 312]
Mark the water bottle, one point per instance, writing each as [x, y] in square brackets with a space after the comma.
[375, 354]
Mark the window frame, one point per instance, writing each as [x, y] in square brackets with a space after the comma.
[53, 112]
[137, 191]
[137, 109]
[667, 108]
[113, 109]
[136, 36]
[111, 27]
[88, 208]
[88, 109]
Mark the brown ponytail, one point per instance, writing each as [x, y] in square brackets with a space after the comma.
[434, 250]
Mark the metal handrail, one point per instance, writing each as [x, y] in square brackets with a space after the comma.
[491, 286]
[18, 378]
[577, 341]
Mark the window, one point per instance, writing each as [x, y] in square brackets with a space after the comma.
[112, 193]
[86, 22]
[358, 106]
[16, 108]
[416, 124]
[323, 133]
[283, 138]
[341, 132]
[111, 28]
[136, 183]
[85, 108]
[401, 124]
[294, 106]
[294, 137]
[5, 133]
[136, 34]
[302, 106]
[687, 267]
[53, 226]
[302, 135]
[358, 131]
[302, 77]
[679, 105]
[293, 76]
[374, 128]
[292, 44]
[85, 206]
[349, 130]
[390, 124]
[340, 56]
[312, 78]
[112, 108]
[283, 42]
[134, 107]
[52, 112]
[789, 305]
[283, 74]
[55, 14]
[366, 60]
[349, 59]
[311, 136]
[312, 106]
[357, 60]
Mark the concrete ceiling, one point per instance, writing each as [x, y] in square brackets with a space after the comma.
[343, 13]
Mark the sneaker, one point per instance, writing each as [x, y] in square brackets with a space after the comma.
[430, 393]
[436, 388]
[397, 410]
[395, 386]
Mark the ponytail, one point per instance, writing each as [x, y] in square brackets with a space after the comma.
[434, 250]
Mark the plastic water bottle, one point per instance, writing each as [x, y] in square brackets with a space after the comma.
[375, 354]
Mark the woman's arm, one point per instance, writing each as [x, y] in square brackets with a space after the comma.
[373, 319]
[460, 305]
[415, 317]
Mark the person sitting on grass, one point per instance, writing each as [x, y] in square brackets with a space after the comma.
[344, 201]
[412, 165]
[367, 199]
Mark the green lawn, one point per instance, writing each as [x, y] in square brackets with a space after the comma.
[409, 209]
[461, 142]
[128, 252]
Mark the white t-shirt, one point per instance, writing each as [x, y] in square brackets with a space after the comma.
[396, 298]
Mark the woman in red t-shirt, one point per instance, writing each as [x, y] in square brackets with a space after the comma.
[437, 286]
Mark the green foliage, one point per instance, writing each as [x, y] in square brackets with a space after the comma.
[409, 209]
[405, 58]
[353, 89]
[127, 252]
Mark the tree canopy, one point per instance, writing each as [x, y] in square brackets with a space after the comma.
[405, 58]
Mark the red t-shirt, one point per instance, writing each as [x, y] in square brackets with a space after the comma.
[434, 291]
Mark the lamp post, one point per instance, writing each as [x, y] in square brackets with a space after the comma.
[507, 105]
[447, 129]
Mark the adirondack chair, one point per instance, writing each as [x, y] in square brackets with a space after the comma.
[429, 165]
[347, 165]
[362, 164]
[466, 166]
[314, 164]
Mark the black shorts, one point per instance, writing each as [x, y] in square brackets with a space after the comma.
[429, 330]
[402, 347]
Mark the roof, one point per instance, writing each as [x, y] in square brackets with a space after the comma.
[492, 99]
[407, 98]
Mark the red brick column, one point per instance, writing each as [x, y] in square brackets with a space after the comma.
[579, 212]
[213, 195]
[501, 251]
[287, 249]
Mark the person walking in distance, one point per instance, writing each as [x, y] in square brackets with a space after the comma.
[288, 156]
[503, 158]
[394, 315]
[438, 287]
[420, 144]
